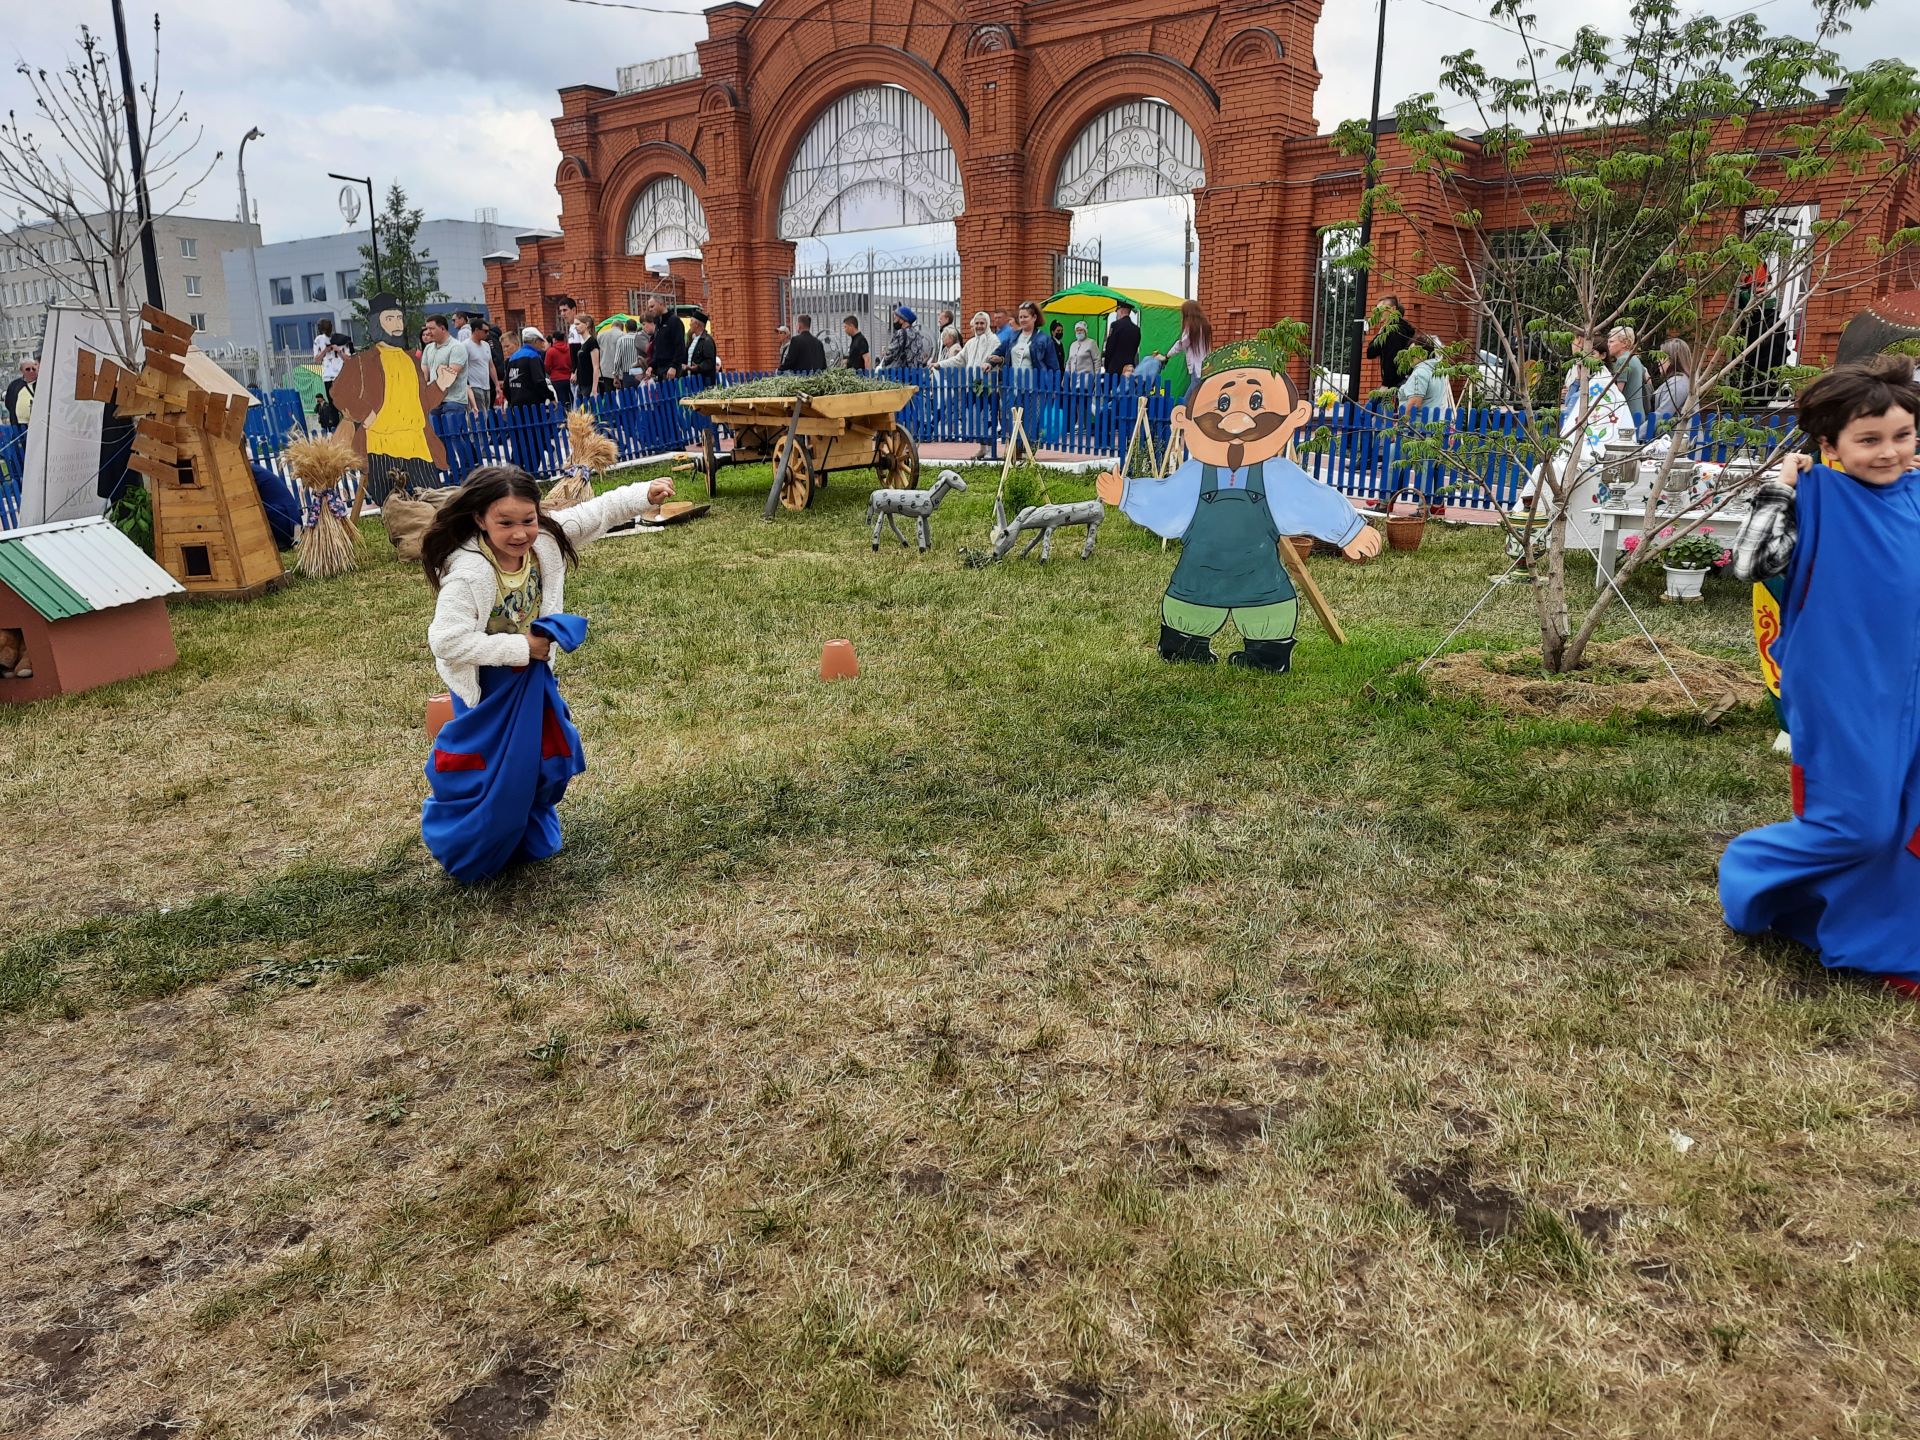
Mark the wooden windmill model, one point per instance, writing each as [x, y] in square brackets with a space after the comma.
[210, 530]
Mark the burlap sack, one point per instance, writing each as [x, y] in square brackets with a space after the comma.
[407, 516]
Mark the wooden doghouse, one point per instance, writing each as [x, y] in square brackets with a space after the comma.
[89, 605]
[210, 530]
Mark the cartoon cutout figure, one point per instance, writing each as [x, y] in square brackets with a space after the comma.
[1230, 503]
[383, 392]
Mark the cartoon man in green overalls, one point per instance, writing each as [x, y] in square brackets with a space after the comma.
[1230, 503]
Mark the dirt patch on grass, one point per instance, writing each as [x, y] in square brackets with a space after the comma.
[1481, 1214]
[1622, 677]
[511, 1401]
[1072, 1408]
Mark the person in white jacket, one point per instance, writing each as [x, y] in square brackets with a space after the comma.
[497, 562]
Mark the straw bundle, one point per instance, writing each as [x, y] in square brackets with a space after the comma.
[325, 546]
[588, 453]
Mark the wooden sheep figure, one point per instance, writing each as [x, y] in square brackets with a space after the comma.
[1041, 521]
[884, 505]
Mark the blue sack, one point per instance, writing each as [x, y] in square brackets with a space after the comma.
[499, 768]
[1843, 876]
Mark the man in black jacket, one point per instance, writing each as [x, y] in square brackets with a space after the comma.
[805, 353]
[669, 341]
[1394, 336]
[703, 359]
[1123, 340]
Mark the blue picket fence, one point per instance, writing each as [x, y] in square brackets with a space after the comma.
[1364, 455]
[13, 463]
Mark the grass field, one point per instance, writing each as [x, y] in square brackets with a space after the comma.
[1027, 1037]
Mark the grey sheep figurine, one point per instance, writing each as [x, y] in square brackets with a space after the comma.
[884, 506]
[1040, 521]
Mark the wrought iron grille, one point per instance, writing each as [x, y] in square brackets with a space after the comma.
[1081, 265]
[869, 288]
[876, 158]
[1139, 150]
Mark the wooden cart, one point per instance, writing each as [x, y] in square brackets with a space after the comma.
[808, 437]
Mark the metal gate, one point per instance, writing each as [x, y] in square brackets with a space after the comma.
[868, 288]
[1336, 317]
[1081, 265]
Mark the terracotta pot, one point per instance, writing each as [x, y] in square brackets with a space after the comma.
[1302, 545]
[837, 661]
[439, 712]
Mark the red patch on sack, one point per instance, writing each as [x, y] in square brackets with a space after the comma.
[1799, 792]
[1913, 845]
[445, 760]
[553, 736]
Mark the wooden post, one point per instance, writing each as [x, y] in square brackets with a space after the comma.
[1304, 582]
[786, 458]
[1140, 428]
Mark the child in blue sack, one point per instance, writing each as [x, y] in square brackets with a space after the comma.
[498, 567]
[1843, 876]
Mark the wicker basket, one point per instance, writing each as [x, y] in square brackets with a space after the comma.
[1405, 532]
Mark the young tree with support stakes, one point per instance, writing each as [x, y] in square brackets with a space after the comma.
[406, 270]
[1659, 180]
[68, 171]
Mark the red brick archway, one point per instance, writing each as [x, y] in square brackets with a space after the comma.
[1012, 90]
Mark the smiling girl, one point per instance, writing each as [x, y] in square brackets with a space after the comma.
[1843, 876]
[498, 566]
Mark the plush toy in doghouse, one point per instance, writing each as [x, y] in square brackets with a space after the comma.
[210, 529]
[1230, 503]
[80, 605]
[327, 536]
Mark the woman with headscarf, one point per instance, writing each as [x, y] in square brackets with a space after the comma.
[980, 344]
[1084, 356]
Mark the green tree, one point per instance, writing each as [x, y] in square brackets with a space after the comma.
[1679, 178]
[406, 270]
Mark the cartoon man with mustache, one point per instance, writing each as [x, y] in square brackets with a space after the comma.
[1230, 503]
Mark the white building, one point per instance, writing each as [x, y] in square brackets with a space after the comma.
[298, 283]
[192, 279]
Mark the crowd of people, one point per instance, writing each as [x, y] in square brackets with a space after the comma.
[1415, 365]
[1020, 341]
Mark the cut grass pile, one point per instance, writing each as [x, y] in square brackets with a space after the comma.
[1028, 1037]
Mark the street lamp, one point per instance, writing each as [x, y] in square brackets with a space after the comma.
[373, 224]
[1366, 218]
[253, 263]
[256, 133]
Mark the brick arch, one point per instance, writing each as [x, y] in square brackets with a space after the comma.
[1099, 87]
[636, 170]
[802, 100]
[572, 163]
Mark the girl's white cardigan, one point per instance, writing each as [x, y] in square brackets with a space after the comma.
[468, 591]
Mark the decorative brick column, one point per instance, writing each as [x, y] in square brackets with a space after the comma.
[1006, 245]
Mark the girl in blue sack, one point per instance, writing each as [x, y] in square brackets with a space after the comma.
[498, 567]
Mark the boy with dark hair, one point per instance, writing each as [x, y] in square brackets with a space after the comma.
[1843, 876]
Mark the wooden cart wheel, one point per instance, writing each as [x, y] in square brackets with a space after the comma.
[797, 492]
[896, 459]
[711, 461]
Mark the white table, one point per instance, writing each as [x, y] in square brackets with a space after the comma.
[1612, 521]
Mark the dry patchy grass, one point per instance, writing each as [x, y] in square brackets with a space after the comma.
[1028, 1038]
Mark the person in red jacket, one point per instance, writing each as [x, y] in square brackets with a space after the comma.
[560, 369]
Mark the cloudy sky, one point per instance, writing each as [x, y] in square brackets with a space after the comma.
[454, 98]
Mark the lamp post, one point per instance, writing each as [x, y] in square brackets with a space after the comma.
[373, 223]
[149, 252]
[253, 263]
[256, 133]
[1366, 218]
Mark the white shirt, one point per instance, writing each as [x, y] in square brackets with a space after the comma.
[329, 357]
